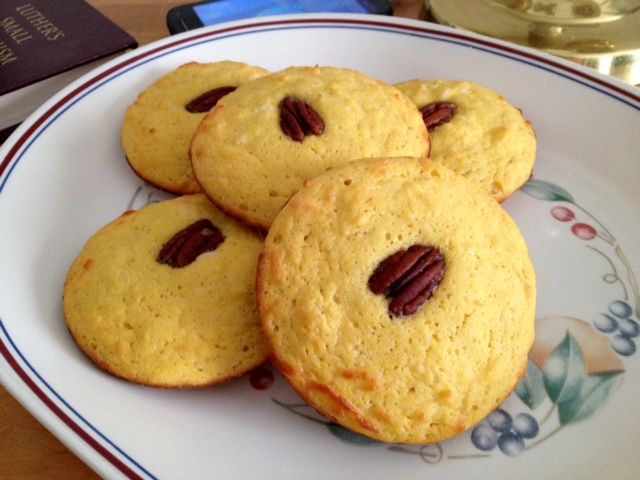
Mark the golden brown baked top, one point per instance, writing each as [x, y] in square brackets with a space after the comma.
[164, 313]
[476, 132]
[257, 147]
[419, 377]
[159, 125]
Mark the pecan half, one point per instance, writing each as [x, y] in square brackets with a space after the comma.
[437, 113]
[409, 277]
[208, 100]
[189, 243]
[298, 119]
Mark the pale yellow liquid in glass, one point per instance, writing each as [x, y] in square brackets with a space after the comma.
[603, 34]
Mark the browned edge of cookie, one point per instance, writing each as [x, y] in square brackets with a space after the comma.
[529, 125]
[185, 190]
[185, 386]
[368, 428]
[238, 215]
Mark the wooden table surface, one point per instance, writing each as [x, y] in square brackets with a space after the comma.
[27, 450]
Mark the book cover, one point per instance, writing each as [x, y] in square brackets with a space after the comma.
[44, 46]
[42, 38]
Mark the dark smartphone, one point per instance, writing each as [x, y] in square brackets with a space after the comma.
[195, 15]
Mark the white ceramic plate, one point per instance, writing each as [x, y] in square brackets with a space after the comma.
[574, 416]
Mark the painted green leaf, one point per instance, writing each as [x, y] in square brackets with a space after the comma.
[564, 371]
[594, 393]
[531, 389]
[348, 436]
[546, 191]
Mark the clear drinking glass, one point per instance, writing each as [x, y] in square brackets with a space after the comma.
[603, 34]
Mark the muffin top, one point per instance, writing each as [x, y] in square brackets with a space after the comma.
[262, 141]
[398, 299]
[476, 132]
[159, 125]
[165, 296]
